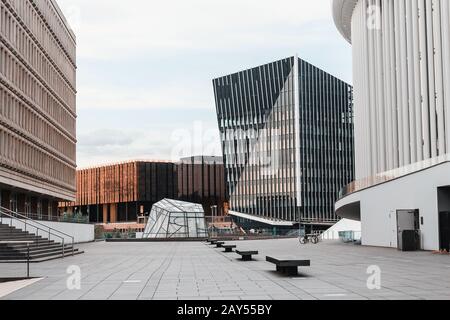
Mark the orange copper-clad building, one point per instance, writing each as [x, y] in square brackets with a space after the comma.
[122, 192]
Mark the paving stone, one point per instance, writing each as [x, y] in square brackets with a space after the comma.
[195, 271]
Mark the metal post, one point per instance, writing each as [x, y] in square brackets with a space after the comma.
[214, 212]
[28, 260]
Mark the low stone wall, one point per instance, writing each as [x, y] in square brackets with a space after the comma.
[81, 232]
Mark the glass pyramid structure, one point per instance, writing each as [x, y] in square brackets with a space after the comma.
[176, 219]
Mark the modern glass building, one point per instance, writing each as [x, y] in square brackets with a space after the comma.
[176, 219]
[287, 136]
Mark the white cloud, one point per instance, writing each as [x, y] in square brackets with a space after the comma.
[180, 45]
[114, 29]
[167, 96]
[112, 145]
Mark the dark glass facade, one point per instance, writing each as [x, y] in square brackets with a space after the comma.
[201, 180]
[287, 139]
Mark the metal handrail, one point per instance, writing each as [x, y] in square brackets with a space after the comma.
[26, 221]
[28, 251]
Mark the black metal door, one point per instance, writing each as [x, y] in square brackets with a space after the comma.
[444, 230]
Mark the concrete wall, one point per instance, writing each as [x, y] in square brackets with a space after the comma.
[417, 191]
[81, 232]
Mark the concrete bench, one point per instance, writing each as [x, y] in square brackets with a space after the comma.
[228, 247]
[219, 244]
[213, 242]
[247, 255]
[288, 267]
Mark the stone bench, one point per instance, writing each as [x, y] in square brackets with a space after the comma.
[228, 247]
[288, 267]
[247, 255]
[219, 244]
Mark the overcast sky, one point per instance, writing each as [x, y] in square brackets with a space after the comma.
[145, 67]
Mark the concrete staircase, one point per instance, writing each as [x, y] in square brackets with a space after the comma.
[42, 249]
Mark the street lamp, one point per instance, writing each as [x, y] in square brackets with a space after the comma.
[213, 208]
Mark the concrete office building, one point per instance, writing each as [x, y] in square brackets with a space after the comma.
[122, 192]
[37, 107]
[401, 68]
[287, 138]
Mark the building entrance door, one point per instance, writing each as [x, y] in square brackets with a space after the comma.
[407, 220]
[444, 231]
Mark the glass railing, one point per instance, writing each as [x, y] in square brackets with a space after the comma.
[350, 236]
[387, 176]
[69, 218]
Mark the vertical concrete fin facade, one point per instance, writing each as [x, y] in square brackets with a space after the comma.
[401, 66]
[37, 104]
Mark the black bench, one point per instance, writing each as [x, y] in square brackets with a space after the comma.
[212, 242]
[247, 255]
[219, 244]
[288, 267]
[228, 247]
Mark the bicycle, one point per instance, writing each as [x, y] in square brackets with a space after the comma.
[313, 238]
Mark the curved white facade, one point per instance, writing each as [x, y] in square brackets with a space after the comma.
[401, 66]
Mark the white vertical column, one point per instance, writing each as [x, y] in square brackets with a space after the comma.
[410, 76]
[406, 154]
[445, 23]
[424, 80]
[371, 103]
[393, 75]
[358, 91]
[398, 69]
[431, 77]
[441, 141]
[380, 76]
[416, 76]
[387, 83]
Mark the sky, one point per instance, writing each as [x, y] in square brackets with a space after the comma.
[145, 67]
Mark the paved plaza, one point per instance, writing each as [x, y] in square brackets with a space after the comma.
[187, 270]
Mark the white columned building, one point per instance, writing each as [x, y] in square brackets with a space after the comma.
[401, 70]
